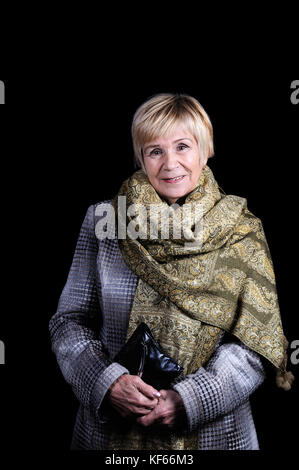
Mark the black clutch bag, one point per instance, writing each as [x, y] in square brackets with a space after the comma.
[143, 356]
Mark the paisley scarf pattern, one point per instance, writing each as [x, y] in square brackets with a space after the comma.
[215, 276]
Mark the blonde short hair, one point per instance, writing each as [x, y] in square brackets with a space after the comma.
[160, 113]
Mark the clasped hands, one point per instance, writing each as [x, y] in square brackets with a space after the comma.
[136, 400]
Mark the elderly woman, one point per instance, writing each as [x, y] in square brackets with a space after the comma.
[207, 291]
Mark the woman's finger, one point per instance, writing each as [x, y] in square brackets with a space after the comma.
[147, 390]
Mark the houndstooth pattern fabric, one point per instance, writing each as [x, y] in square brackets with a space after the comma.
[90, 327]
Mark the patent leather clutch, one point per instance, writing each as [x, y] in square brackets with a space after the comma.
[143, 356]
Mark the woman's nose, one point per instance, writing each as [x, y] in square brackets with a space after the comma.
[170, 161]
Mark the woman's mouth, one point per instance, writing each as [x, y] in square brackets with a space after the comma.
[175, 179]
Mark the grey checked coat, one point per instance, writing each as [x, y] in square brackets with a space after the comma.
[89, 328]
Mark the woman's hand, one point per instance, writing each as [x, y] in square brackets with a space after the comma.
[169, 413]
[131, 396]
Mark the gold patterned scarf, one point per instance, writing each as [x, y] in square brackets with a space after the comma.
[215, 275]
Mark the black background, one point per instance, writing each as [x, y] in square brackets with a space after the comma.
[66, 144]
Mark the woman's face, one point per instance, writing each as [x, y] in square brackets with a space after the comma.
[173, 164]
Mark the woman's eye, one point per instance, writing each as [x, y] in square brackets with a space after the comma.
[182, 146]
[156, 152]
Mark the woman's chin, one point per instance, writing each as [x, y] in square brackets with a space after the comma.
[175, 194]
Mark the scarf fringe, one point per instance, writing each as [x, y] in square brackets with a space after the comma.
[284, 378]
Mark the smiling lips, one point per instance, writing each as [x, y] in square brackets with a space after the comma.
[175, 179]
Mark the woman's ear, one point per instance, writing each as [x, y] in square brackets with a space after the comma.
[203, 162]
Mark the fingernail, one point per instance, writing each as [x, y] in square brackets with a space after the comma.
[157, 394]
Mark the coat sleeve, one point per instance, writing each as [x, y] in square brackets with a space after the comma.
[232, 374]
[74, 328]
